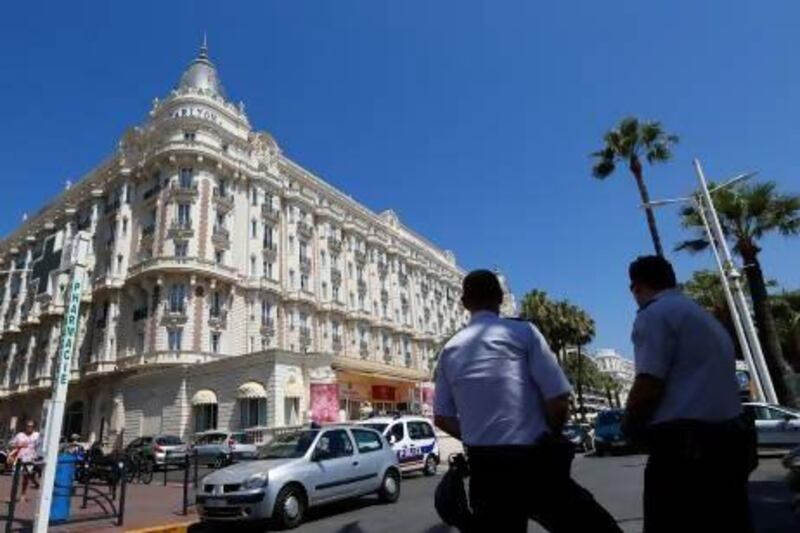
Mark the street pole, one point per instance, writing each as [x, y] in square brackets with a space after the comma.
[63, 366]
[736, 318]
[733, 276]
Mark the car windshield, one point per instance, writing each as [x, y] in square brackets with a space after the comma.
[213, 438]
[609, 417]
[380, 428]
[169, 440]
[289, 446]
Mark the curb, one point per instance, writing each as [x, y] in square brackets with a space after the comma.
[177, 527]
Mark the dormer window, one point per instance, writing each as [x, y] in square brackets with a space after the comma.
[186, 178]
[189, 136]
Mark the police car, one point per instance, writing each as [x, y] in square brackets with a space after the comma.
[413, 440]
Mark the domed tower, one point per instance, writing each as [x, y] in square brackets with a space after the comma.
[202, 74]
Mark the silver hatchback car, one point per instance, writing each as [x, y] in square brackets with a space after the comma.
[299, 470]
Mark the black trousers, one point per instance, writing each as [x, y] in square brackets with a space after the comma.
[510, 485]
[688, 495]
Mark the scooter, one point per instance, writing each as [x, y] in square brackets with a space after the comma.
[792, 463]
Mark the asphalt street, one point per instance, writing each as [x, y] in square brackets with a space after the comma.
[615, 481]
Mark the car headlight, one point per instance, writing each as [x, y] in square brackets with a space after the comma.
[256, 481]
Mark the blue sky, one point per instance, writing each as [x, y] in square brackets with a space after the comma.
[471, 119]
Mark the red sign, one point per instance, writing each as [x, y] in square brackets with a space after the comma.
[383, 393]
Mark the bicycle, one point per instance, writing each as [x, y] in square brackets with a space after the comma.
[139, 468]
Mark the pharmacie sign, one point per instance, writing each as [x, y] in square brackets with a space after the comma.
[68, 335]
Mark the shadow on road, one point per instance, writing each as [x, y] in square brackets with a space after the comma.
[770, 502]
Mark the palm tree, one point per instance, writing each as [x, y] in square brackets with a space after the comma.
[629, 143]
[746, 214]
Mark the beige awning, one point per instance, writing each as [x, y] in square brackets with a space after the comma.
[293, 389]
[251, 389]
[204, 397]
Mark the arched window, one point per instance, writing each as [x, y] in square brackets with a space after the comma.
[204, 410]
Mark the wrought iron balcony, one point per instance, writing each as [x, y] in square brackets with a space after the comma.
[305, 264]
[181, 230]
[304, 228]
[223, 201]
[360, 256]
[336, 343]
[267, 326]
[183, 192]
[220, 238]
[305, 336]
[268, 212]
[334, 245]
[270, 252]
[336, 276]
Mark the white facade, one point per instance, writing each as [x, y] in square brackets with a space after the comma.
[230, 287]
[611, 362]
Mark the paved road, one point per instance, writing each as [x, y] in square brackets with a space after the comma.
[615, 481]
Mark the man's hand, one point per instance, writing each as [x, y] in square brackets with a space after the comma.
[448, 424]
[557, 412]
[643, 400]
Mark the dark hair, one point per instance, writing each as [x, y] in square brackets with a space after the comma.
[482, 290]
[652, 271]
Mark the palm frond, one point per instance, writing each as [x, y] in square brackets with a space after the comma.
[692, 245]
[603, 168]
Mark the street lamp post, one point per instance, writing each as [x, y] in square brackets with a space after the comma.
[732, 275]
[731, 281]
[63, 370]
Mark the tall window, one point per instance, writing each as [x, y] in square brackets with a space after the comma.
[175, 338]
[186, 177]
[184, 214]
[267, 236]
[205, 417]
[292, 280]
[253, 412]
[254, 196]
[177, 297]
[180, 249]
[304, 281]
[303, 250]
[323, 259]
[215, 341]
[335, 293]
[266, 311]
[219, 257]
[216, 304]
[253, 229]
[253, 271]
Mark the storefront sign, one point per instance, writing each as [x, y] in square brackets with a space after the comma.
[383, 393]
[324, 402]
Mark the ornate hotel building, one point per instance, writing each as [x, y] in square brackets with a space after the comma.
[228, 287]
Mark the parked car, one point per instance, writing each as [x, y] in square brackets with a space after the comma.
[161, 449]
[220, 448]
[413, 440]
[581, 436]
[776, 426]
[299, 470]
[608, 435]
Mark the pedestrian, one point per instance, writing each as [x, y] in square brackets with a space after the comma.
[25, 445]
[684, 407]
[500, 391]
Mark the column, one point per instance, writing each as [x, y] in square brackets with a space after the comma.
[6, 294]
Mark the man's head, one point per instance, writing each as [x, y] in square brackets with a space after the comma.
[30, 425]
[650, 275]
[482, 292]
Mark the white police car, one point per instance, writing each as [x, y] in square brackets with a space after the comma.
[413, 440]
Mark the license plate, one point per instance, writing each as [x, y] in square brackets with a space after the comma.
[215, 502]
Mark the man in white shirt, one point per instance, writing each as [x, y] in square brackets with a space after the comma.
[499, 390]
[685, 407]
[25, 445]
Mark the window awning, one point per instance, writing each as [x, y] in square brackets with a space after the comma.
[251, 389]
[204, 397]
[293, 389]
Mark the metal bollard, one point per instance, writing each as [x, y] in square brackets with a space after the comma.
[86, 478]
[166, 466]
[195, 468]
[122, 491]
[12, 505]
[185, 484]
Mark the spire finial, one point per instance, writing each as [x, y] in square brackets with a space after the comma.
[204, 46]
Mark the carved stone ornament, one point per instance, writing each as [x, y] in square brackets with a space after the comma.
[322, 374]
[265, 150]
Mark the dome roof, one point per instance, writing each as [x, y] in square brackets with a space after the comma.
[202, 74]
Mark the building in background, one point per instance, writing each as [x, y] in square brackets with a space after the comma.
[509, 307]
[611, 362]
[230, 287]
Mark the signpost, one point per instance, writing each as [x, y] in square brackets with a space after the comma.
[63, 369]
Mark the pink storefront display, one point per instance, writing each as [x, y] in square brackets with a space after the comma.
[324, 402]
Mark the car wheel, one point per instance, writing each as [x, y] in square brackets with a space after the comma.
[390, 487]
[146, 472]
[430, 466]
[290, 507]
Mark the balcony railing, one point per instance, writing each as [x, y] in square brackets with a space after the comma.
[181, 229]
[362, 286]
[269, 213]
[183, 191]
[305, 264]
[334, 245]
[270, 251]
[360, 256]
[336, 343]
[223, 200]
[220, 237]
[384, 295]
[363, 349]
[305, 335]
[336, 276]
[304, 228]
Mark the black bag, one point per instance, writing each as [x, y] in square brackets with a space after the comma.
[450, 499]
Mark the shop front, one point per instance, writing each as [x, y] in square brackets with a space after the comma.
[364, 395]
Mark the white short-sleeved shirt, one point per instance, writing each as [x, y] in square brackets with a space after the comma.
[495, 375]
[679, 342]
[27, 445]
